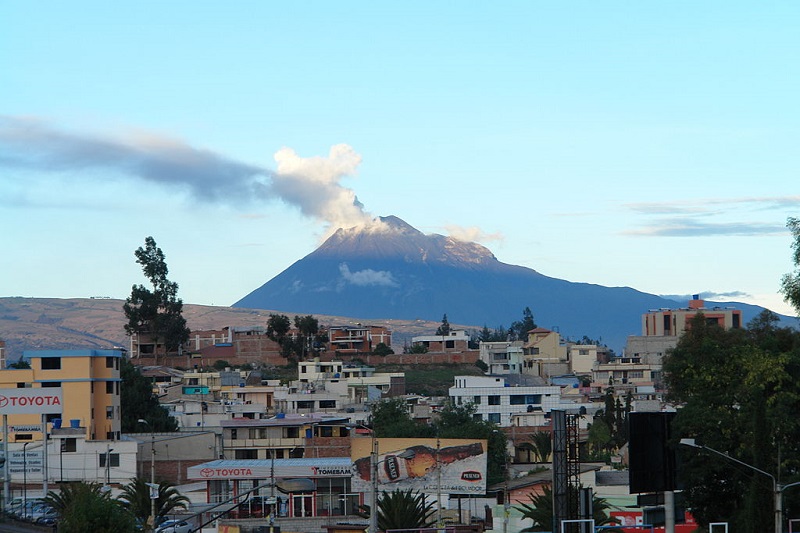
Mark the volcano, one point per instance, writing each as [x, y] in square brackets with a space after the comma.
[390, 270]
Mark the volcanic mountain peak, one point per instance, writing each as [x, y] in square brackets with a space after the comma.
[392, 238]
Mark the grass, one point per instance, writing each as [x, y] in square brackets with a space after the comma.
[431, 380]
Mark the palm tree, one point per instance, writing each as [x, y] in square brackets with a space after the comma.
[401, 510]
[135, 498]
[540, 511]
[542, 445]
[83, 507]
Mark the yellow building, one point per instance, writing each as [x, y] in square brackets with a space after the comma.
[90, 384]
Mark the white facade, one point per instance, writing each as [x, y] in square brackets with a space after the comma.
[504, 357]
[496, 402]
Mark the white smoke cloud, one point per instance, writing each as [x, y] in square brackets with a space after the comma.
[472, 234]
[367, 277]
[313, 184]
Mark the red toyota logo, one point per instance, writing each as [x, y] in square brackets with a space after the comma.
[207, 472]
[3, 401]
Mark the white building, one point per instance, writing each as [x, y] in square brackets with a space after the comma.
[496, 401]
[504, 357]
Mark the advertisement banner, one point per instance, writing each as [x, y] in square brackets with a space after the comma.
[446, 466]
[41, 401]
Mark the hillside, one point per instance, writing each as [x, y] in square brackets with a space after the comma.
[52, 323]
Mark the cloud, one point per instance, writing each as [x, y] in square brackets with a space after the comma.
[313, 184]
[310, 184]
[701, 205]
[680, 227]
[472, 234]
[32, 144]
[367, 277]
[710, 295]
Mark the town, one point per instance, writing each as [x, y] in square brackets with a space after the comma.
[248, 451]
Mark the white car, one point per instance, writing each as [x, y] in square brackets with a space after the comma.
[175, 526]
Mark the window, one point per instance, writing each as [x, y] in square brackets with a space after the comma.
[234, 434]
[327, 404]
[245, 454]
[449, 344]
[51, 363]
[476, 400]
[292, 433]
[109, 387]
[325, 431]
[113, 459]
[23, 436]
[477, 417]
[109, 362]
[305, 404]
[525, 399]
[51, 384]
[109, 412]
[69, 445]
[494, 418]
[494, 400]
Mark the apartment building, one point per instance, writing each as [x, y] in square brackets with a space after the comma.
[502, 357]
[286, 436]
[358, 338]
[496, 401]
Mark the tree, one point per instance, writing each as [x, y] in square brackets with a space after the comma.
[790, 284]
[480, 363]
[738, 390]
[391, 419]
[135, 498]
[540, 511]
[84, 507]
[382, 349]
[404, 510]
[519, 329]
[417, 347]
[139, 402]
[156, 313]
[459, 422]
[542, 446]
[444, 329]
[307, 331]
[220, 364]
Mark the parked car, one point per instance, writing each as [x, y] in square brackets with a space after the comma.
[43, 514]
[175, 526]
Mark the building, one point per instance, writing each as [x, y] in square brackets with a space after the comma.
[284, 436]
[294, 488]
[455, 341]
[76, 433]
[544, 354]
[661, 329]
[496, 401]
[502, 357]
[673, 322]
[90, 381]
[357, 339]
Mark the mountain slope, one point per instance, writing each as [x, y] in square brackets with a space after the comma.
[391, 270]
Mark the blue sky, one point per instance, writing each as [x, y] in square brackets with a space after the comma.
[619, 143]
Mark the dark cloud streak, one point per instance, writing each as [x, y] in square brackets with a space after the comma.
[31, 144]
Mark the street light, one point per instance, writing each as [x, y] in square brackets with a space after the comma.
[777, 488]
[152, 470]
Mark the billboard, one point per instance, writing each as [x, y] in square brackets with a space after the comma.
[45, 400]
[448, 466]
